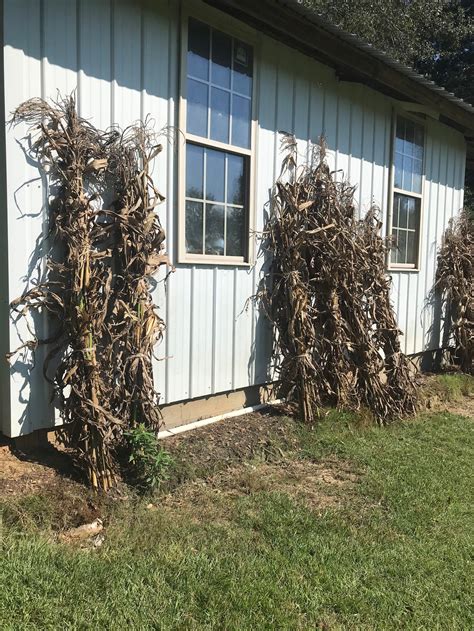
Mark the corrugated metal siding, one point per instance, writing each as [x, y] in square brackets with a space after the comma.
[123, 61]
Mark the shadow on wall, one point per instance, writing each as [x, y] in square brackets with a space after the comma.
[104, 40]
[37, 401]
[261, 355]
[437, 335]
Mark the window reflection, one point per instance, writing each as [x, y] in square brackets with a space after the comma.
[408, 155]
[405, 229]
[219, 86]
[216, 184]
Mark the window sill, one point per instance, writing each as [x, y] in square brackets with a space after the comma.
[402, 268]
[218, 261]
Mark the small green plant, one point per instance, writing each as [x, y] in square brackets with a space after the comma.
[148, 463]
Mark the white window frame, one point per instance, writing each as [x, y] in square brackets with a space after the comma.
[405, 267]
[231, 27]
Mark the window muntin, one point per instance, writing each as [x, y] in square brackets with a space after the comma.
[407, 189]
[219, 77]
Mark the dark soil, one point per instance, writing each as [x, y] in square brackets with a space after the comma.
[257, 437]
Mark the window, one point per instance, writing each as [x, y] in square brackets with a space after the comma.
[407, 190]
[218, 120]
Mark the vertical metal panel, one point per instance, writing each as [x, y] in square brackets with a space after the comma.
[343, 132]
[59, 47]
[26, 211]
[380, 175]
[355, 147]
[223, 328]
[330, 122]
[94, 61]
[367, 158]
[316, 111]
[301, 115]
[123, 59]
[202, 324]
[253, 343]
[126, 63]
[246, 343]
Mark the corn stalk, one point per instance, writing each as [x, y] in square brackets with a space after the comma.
[97, 285]
[328, 297]
[455, 282]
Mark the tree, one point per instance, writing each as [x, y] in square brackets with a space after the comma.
[436, 37]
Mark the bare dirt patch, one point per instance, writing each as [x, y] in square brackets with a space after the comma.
[264, 437]
[317, 485]
[19, 475]
[464, 407]
[40, 489]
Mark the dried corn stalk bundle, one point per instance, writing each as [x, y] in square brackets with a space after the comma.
[97, 283]
[328, 296]
[455, 281]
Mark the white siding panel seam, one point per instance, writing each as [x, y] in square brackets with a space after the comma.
[112, 62]
[191, 333]
[78, 57]
[308, 129]
[214, 329]
[234, 326]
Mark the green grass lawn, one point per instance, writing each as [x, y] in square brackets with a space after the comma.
[390, 549]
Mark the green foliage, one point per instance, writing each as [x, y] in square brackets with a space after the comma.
[148, 463]
[434, 36]
[450, 387]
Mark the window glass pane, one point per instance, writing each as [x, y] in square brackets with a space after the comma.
[403, 211]
[412, 213]
[419, 140]
[394, 251]
[235, 237]
[411, 248]
[221, 59]
[417, 173]
[197, 108]
[408, 145]
[402, 246]
[407, 173]
[214, 229]
[242, 72]
[220, 115]
[241, 121]
[194, 227]
[194, 171]
[400, 135]
[198, 50]
[396, 211]
[215, 175]
[235, 180]
[405, 228]
[398, 170]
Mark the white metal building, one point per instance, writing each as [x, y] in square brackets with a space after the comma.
[220, 72]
